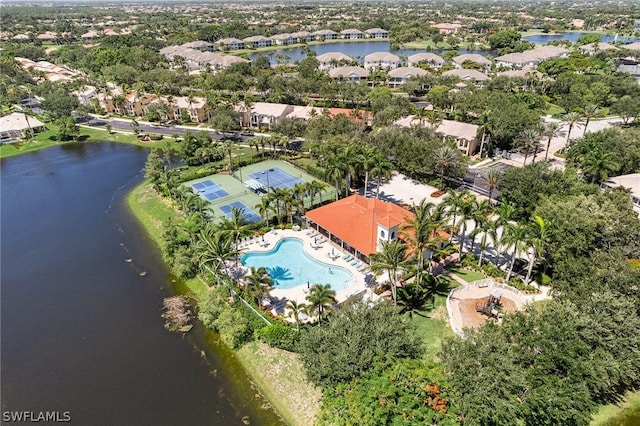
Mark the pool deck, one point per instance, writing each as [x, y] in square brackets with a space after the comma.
[323, 253]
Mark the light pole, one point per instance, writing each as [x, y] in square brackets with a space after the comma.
[267, 173]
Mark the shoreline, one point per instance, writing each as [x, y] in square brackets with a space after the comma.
[87, 135]
[261, 363]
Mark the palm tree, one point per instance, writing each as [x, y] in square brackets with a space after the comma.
[334, 170]
[295, 309]
[589, 112]
[466, 209]
[367, 161]
[235, 226]
[214, 249]
[422, 231]
[257, 283]
[599, 164]
[480, 215]
[486, 229]
[572, 118]
[485, 124]
[551, 130]
[381, 168]
[445, 157]
[320, 296]
[264, 208]
[493, 178]
[391, 259]
[314, 188]
[515, 235]
[278, 196]
[529, 139]
[539, 232]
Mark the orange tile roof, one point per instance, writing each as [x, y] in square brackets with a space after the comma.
[355, 220]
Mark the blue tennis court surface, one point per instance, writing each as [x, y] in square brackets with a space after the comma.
[249, 214]
[209, 190]
[276, 178]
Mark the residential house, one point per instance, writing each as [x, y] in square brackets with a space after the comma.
[263, 114]
[20, 37]
[593, 48]
[230, 44]
[257, 41]
[196, 108]
[399, 76]
[360, 225]
[89, 35]
[446, 28]
[531, 58]
[467, 75]
[351, 34]
[303, 37]
[351, 73]
[47, 36]
[480, 60]
[86, 95]
[381, 60]
[329, 60]
[199, 45]
[283, 39]
[376, 33]
[322, 35]
[465, 135]
[432, 59]
[16, 125]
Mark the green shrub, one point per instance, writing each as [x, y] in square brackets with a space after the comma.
[233, 327]
[492, 270]
[279, 335]
[469, 260]
[156, 137]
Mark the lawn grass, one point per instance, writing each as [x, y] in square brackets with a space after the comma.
[433, 325]
[47, 139]
[467, 275]
[281, 378]
[627, 413]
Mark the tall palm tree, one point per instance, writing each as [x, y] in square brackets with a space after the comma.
[381, 169]
[352, 162]
[493, 178]
[599, 164]
[367, 162]
[314, 188]
[529, 139]
[235, 226]
[278, 197]
[334, 170]
[485, 125]
[515, 235]
[319, 297]
[486, 229]
[551, 130]
[539, 233]
[421, 232]
[264, 208]
[589, 112]
[466, 209]
[445, 157]
[479, 215]
[391, 259]
[257, 283]
[295, 309]
[214, 249]
[572, 119]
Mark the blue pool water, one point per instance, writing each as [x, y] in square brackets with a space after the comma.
[289, 266]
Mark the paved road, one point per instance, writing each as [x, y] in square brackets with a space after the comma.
[125, 125]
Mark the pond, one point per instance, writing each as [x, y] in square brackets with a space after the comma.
[82, 291]
[572, 37]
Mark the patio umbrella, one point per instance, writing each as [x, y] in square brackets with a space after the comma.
[332, 253]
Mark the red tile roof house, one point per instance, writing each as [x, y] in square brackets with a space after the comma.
[359, 225]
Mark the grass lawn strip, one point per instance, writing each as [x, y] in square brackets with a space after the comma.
[281, 378]
[618, 414]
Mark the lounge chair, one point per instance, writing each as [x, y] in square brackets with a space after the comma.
[346, 255]
[354, 262]
[349, 258]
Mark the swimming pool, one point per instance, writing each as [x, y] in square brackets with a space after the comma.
[289, 266]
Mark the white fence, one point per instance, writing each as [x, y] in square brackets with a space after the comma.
[487, 282]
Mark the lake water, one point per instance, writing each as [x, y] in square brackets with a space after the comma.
[357, 50]
[572, 37]
[81, 329]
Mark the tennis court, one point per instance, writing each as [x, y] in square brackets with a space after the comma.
[248, 214]
[275, 177]
[209, 190]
